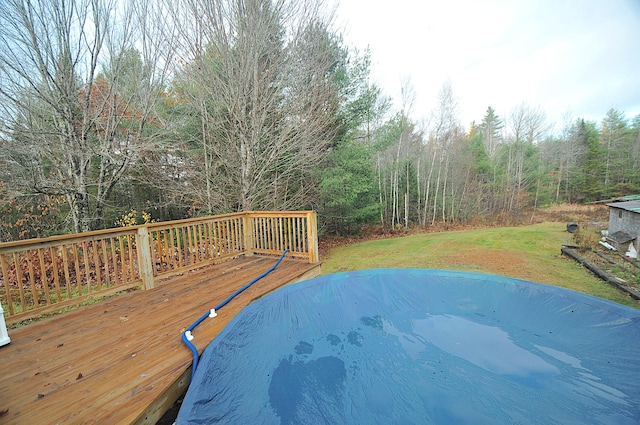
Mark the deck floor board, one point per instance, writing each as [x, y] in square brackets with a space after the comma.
[112, 361]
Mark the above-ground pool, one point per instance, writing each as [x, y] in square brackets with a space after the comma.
[414, 346]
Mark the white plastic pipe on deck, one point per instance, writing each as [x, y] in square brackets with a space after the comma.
[4, 335]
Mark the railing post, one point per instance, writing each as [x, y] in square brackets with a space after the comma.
[312, 236]
[144, 258]
[247, 225]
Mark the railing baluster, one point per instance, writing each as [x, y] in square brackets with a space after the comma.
[196, 241]
[157, 257]
[56, 272]
[65, 263]
[173, 243]
[19, 280]
[32, 279]
[87, 269]
[227, 236]
[257, 233]
[304, 233]
[121, 249]
[114, 258]
[43, 277]
[265, 233]
[235, 247]
[7, 283]
[189, 245]
[212, 240]
[281, 230]
[97, 266]
[178, 247]
[105, 262]
[165, 261]
[206, 231]
[213, 236]
[196, 248]
[132, 264]
[274, 233]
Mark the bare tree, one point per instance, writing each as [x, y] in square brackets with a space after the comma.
[260, 75]
[408, 99]
[77, 95]
[444, 134]
[561, 154]
[526, 123]
[525, 126]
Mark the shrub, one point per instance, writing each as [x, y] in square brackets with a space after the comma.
[132, 219]
[585, 238]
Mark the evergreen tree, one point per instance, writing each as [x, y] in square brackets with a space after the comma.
[347, 198]
[491, 130]
[616, 138]
[588, 174]
[348, 190]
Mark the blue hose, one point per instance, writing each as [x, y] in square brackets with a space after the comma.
[185, 339]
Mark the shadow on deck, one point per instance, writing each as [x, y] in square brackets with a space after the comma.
[122, 360]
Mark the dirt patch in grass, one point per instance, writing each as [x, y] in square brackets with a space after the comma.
[498, 262]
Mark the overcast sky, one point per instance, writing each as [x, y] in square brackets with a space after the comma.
[580, 57]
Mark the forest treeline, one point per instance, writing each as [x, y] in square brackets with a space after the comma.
[115, 113]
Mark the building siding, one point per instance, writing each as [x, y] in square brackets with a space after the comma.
[621, 220]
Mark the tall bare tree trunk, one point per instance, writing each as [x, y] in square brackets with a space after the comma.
[428, 186]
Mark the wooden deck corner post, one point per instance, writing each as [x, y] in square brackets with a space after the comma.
[144, 258]
[312, 235]
[247, 224]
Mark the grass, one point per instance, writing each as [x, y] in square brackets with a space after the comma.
[528, 252]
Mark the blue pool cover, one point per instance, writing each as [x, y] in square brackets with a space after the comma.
[414, 346]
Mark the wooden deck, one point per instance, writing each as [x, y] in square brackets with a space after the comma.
[122, 360]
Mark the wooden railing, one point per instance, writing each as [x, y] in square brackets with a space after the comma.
[43, 275]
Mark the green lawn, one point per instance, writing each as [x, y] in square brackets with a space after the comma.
[528, 252]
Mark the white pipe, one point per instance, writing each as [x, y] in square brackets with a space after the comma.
[4, 335]
[607, 245]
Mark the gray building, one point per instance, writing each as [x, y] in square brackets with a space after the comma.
[624, 224]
